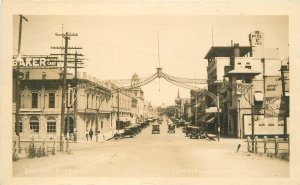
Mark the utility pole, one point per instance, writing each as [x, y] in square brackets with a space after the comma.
[18, 77]
[282, 70]
[218, 109]
[118, 113]
[196, 110]
[75, 96]
[252, 117]
[68, 117]
[66, 36]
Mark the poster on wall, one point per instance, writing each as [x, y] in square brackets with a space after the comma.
[276, 106]
[264, 125]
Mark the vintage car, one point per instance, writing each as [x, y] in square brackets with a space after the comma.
[194, 132]
[180, 123]
[127, 132]
[155, 129]
[171, 128]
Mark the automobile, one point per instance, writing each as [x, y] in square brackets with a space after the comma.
[194, 132]
[171, 128]
[155, 129]
[127, 132]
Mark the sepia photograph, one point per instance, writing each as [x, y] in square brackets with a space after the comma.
[156, 96]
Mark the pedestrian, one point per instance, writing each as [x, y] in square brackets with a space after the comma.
[87, 135]
[91, 134]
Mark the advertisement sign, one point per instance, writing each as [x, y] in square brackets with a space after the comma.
[36, 61]
[276, 106]
[256, 38]
[263, 125]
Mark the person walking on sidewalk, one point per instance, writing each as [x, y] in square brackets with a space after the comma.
[91, 134]
[87, 135]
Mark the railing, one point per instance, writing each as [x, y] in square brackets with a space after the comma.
[35, 148]
[276, 146]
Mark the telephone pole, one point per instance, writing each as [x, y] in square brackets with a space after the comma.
[67, 37]
[18, 77]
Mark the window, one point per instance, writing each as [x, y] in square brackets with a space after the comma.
[34, 124]
[101, 124]
[87, 101]
[34, 100]
[51, 125]
[51, 100]
[69, 98]
[44, 75]
[92, 101]
[20, 126]
[248, 67]
[27, 75]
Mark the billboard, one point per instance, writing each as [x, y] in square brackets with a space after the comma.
[264, 125]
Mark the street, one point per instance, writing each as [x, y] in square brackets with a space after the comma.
[154, 155]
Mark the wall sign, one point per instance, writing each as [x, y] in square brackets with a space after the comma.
[36, 61]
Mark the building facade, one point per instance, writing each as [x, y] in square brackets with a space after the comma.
[97, 106]
[243, 77]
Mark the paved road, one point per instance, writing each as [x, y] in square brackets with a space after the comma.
[154, 155]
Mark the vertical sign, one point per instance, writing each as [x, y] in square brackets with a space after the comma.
[256, 39]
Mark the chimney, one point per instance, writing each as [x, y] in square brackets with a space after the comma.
[231, 43]
[236, 50]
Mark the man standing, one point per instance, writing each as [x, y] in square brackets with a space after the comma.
[91, 134]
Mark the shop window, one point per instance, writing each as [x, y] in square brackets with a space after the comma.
[34, 100]
[51, 125]
[51, 100]
[34, 124]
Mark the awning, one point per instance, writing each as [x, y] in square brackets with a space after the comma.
[212, 110]
[124, 119]
[258, 96]
[205, 117]
[211, 120]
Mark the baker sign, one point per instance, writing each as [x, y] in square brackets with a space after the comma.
[36, 61]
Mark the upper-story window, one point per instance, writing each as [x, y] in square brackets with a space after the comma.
[51, 100]
[44, 75]
[34, 100]
[87, 101]
[248, 66]
[27, 75]
[92, 106]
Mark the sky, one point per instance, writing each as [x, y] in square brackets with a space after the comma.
[116, 47]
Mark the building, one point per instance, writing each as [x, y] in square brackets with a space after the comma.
[97, 108]
[243, 76]
[139, 96]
